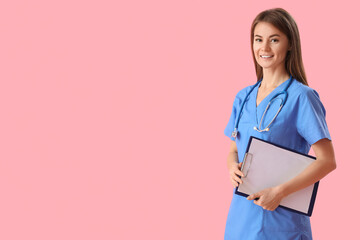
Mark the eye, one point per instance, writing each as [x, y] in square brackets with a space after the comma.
[276, 40]
[256, 40]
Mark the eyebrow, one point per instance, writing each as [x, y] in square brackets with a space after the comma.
[270, 35]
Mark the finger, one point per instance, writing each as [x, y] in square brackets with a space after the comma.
[239, 173]
[237, 179]
[269, 208]
[234, 183]
[253, 196]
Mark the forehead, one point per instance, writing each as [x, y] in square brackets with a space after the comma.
[265, 29]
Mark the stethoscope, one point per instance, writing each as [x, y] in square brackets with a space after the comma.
[283, 101]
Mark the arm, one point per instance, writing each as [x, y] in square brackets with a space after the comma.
[234, 165]
[270, 198]
[323, 165]
[232, 157]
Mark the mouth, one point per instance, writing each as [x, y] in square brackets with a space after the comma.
[266, 56]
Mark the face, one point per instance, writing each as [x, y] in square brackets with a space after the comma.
[270, 46]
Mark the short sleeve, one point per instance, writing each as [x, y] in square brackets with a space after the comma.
[231, 124]
[311, 123]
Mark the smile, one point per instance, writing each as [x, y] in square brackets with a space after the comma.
[266, 56]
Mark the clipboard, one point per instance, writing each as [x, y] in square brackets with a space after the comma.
[266, 164]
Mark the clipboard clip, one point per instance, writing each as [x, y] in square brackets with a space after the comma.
[246, 164]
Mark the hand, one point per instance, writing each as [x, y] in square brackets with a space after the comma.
[269, 198]
[235, 172]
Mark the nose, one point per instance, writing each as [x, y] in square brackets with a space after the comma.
[266, 46]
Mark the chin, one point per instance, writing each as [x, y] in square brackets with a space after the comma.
[266, 66]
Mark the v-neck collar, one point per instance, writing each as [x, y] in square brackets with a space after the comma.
[271, 93]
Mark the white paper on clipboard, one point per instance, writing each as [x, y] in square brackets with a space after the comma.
[267, 165]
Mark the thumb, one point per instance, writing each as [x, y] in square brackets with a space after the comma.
[253, 196]
[240, 164]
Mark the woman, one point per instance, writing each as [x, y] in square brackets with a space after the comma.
[299, 125]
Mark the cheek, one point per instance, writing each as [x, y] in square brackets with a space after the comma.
[255, 49]
[281, 53]
[283, 50]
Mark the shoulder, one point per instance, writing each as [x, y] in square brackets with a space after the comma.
[307, 97]
[304, 92]
[243, 92]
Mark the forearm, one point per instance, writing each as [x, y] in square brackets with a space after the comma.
[313, 173]
[232, 158]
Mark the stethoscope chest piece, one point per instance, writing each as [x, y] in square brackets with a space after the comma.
[264, 130]
[234, 133]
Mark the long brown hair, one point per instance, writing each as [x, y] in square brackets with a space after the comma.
[283, 21]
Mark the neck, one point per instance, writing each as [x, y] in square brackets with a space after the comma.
[272, 79]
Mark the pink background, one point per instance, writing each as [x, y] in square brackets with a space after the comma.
[112, 115]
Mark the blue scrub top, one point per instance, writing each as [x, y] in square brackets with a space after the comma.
[300, 123]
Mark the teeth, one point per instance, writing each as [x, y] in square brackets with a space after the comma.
[265, 56]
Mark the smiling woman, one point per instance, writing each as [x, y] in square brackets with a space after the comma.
[270, 49]
[299, 124]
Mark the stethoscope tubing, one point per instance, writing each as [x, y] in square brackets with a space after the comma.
[237, 119]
